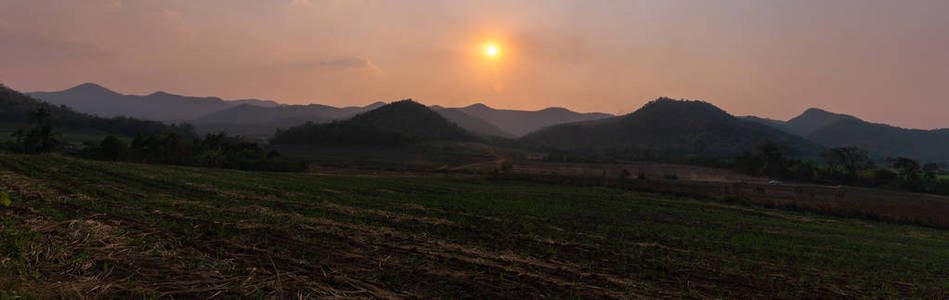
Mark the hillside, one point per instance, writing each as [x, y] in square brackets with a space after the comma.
[254, 114]
[521, 122]
[260, 118]
[667, 126]
[262, 122]
[15, 110]
[881, 140]
[159, 106]
[782, 125]
[813, 119]
[470, 123]
[397, 123]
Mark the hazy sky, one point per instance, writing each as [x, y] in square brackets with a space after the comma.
[885, 61]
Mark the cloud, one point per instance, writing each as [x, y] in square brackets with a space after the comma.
[348, 63]
[300, 3]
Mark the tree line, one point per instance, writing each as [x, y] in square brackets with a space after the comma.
[170, 147]
[845, 166]
[213, 150]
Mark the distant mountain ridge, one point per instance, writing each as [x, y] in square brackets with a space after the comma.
[260, 118]
[647, 129]
[16, 108]
[471, 123]
[668, 127]
[813, 119]
[95, 99]
[521, 122]
[251, 114]
[881, 140]
[262, 122]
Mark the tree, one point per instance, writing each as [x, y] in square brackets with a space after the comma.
[847, 161]
[905, 167]
[40, 139]
[772, 151]
[931, 167]
[774, 158]
[909, 170]
[40, 115]
[113, 148]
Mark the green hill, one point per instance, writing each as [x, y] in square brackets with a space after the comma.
[668, 127]
[398, 123]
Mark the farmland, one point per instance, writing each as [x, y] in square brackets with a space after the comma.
[102, 229]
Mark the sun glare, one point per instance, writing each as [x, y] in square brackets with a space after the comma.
[491, 50]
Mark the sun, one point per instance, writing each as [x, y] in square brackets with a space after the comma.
[491, 50]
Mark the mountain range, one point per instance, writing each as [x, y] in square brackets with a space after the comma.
[17, 110]
[668, 127]
[158, 106]
[662, 125]
[521, 122]
[880, 140]
[261, 118]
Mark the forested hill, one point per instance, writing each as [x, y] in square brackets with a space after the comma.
[397, 123]
[667, 126]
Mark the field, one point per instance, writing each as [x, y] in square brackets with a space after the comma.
[728, 186]
[98, 229]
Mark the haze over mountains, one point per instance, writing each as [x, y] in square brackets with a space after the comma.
[881, 140]
[260, 118]
[17, 109]
[262, 122]
[473, 124]
[521, 122]
[159, 106]
[664, 125]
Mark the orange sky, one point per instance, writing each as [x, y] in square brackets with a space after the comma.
[885, 61]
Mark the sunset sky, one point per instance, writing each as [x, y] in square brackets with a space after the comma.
[884, 61]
